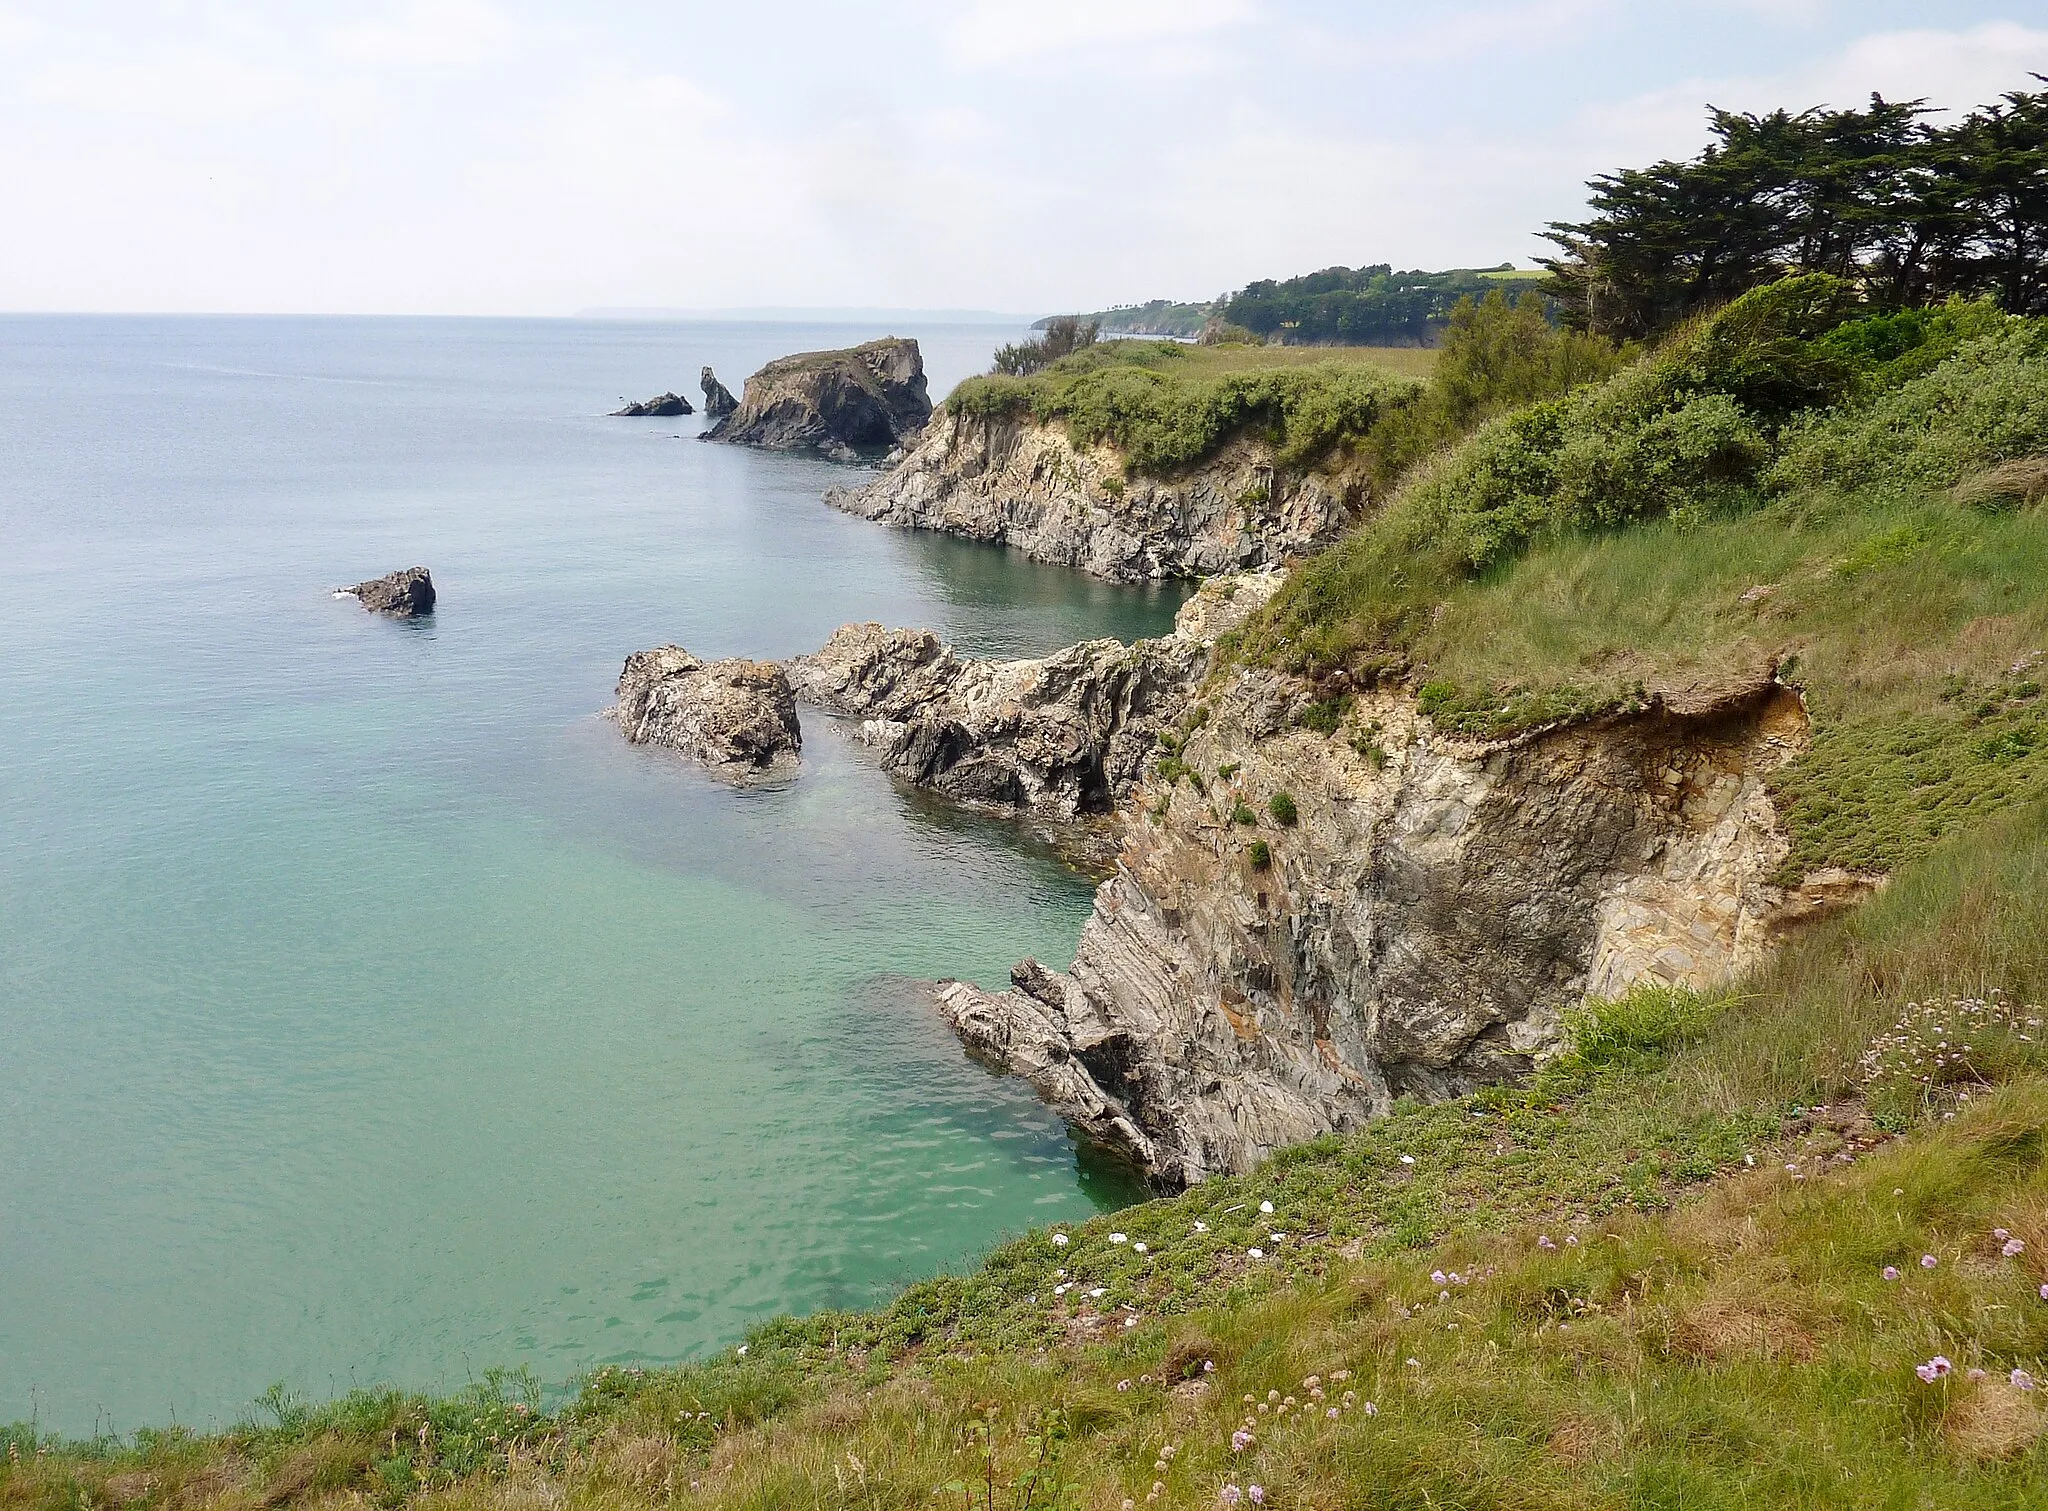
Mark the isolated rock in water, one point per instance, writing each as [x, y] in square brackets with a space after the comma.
[662, 404]
[843, 404]
[399, 594]
[718, 399]
[736, 716]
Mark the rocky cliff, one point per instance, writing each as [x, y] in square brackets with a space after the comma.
[1303, 926]
[1067, 735]
[1026, 484]
[843, 404]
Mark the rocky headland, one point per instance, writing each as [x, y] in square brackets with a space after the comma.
[845, 405]
[736, 716]
[1024, 483]
[1304, 926]
[403, 594]
[661, 404]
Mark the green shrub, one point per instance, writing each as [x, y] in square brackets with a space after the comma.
[1241, 813]
[1281, 806]
[1261, 854]
[1645, 1022]
[1325, 716]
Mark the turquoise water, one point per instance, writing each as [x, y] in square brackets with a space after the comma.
[369, 1011]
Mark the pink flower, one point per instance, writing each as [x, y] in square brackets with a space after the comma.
[2013, 1248]
[2000, 1234]
[1331, 1413]
[1437, 1277]
[1231, 1495]
[1543, 1241]
[1891, 1272]
[1240, 1440]
[2021, 1380]
[1928, 1261]
[1975, 1374]
[2044, 1293]
[1369, 1409]
[1256, 1494]
[1937, 1368]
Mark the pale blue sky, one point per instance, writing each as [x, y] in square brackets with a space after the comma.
[516, 157]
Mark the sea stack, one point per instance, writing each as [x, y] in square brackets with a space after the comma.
[736, 716]
[847, 405]
[661, 404]
[403, 595]
[718, 399]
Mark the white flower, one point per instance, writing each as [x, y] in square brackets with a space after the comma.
[1255, 1253]
[741, 1351]
[1201, 1227]
[1407, 1159]
[1266, 1207]
[1118, 1238]
[1059, 1240]
[1139, 1248]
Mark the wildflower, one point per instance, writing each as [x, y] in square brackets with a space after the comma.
[1891, 1272]
[1266, 1207]
[2021, 1380]
[1414, 1363]
[1438, 1277]
[1370, 1410]
[1240, 1440]
[1118, 1238]
[1974, 1375]
[1543, 1241]
[2000, 1234]
[1407, 1159]
[1130, 1505]
[1928, 1261]
[1059, 1240]
[2044, 1293]
[1340, 1374]
[1256, 1494]
[1208, 1366]
[1130, 1322]
[1138, 1248]
[1571, 1240]
[1255, 1253]
[1232, 1495]
[1937, 1368]
[1201, 1227]
[1350, 1398]
[1331, 1413]
[1123, 1385]
[741, 1351]
[1273, 1397]
[2013, 1248]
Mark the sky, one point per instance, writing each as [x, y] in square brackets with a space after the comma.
[512, 157]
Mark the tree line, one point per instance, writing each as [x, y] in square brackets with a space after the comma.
[1368, 306]
[1910, 210]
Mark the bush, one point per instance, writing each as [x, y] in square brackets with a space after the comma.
[1645, 1022]
[1241, 813]
[1261, 854]
[1281, 806]
[1063, 337]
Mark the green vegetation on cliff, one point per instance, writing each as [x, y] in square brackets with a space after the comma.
[1791, 480]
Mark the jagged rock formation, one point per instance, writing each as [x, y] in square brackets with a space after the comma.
[662, 404]
[718, 399]
[1068, 735]
[1419, 927]
[402, 594]
[1023, 483]
[736, 716]
[842, 404]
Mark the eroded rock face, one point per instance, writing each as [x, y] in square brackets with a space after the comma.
[736, 716]
[661, 404]
[403, 594]
[718, 399]
[1069, 735]
[842, 404]
[1419, 928]
[1026, 485]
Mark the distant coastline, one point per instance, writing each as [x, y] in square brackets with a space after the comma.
[801, 315]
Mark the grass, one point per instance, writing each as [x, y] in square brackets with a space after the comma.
[1706, 1327]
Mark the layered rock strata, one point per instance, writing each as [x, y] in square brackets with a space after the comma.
[842, 404]
[736, 716]
[403, 594]
[1025, 484]
[1310, 925]
[1068, 735]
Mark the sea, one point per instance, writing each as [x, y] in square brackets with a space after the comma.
[370, 1012]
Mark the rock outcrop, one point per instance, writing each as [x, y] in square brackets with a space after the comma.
[1025, 484]
[661, 404]
[1311, 925]
[1067, 735]
[736, 716]
[842, 404]
[718, 399]
[403, 594]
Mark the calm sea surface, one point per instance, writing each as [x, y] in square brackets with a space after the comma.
[369, 1011]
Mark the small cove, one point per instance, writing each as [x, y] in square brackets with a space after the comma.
[371, 1012]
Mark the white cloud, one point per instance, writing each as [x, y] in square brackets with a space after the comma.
[1018, 33]
[426, 33]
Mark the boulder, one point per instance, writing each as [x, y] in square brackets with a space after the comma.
[847, 405]
[661, 404]
[736, 716]
[402, 594]
[718, 399]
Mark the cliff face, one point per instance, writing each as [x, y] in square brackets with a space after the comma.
[866, 398]
[1419, 927]
[1026, 485]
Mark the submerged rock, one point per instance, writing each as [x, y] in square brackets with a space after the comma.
[718, 399]
[842, 404]
[402, 595]
[661, 404]
[736, 716]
